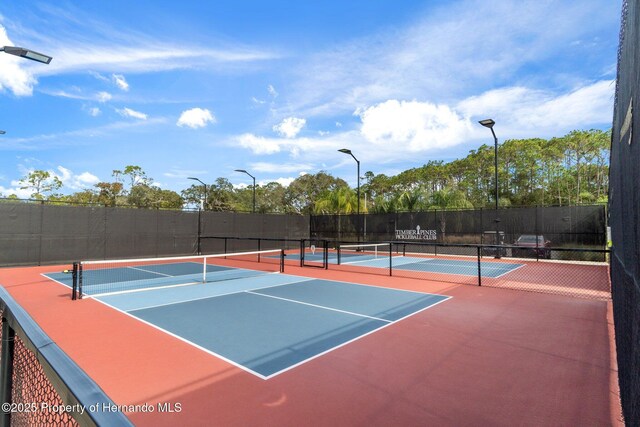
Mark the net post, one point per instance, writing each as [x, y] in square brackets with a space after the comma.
[338, 250]
[302, 252]
[479, 268]
[74, 280]
[204, 269]
[326, 254]
[282, 255]
[6, 364]
[80, 280]
[390, 259]
[259, 247]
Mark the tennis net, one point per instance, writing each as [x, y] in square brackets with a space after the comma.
[354, 253]
[95, 278]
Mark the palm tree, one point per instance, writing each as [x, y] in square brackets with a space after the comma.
[342, 200]
[448, 198]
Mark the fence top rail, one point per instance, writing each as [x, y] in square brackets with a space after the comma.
[74, 386]
[270, 239]
[476, 245]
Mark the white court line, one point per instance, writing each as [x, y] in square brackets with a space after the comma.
[363, 260]
[152, 272]
[462, 266]
[56, 281]
[186, 341]
[318, 306]
[246, 369]
[507, 272]
[302, 362]
[218, 295]
[131, 291]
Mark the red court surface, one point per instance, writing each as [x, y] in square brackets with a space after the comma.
[488, 356]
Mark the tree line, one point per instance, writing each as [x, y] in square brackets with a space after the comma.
[569, 170]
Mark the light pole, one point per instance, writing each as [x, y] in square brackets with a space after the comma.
[488, 123]
[26, 53]
[254, 187]
[204, 203]
[200, 209]
[347, 151]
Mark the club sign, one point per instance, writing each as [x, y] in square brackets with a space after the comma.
[416, 234]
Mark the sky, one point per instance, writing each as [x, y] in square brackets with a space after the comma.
[199, 89]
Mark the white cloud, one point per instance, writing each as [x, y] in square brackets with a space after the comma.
[75, 181]
[396, 130]
[99, 76]
[120, 81]
[289, 127]
[412, 125]
[14, 74]
[259, 144]
[69, 179]
[443, 55]
[94, 111]
[196, 118]
[184, 173]
[21, 194]
[128, 112]
[279, 167]
[283, 181]
[257, 101]
[103, 96]
[521, 111]
[272, 91]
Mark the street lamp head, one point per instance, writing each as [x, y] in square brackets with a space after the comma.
[2, 132]
[241, 170]
[345, 150]
[26, 53]
[488, 123]
[197, 179]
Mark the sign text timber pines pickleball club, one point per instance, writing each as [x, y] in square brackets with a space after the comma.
[416, 234]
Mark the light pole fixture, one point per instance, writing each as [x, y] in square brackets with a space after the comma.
[347, 151]
[26, 53]
[254, 187]
[204, 203]
[489, 123]
[2, 132]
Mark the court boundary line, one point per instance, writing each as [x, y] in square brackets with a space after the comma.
[507, 272]
[315, 356]
[316, 305]
[155, 288]
[213, 296]
[267, 377]
[399, 267]
[149, 271]
[55, 280]
[186, 341]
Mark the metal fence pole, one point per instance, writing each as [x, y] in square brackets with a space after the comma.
[6, 376]
[479, 268]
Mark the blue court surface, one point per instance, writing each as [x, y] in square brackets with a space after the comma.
[426, 265]
[270, 323]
